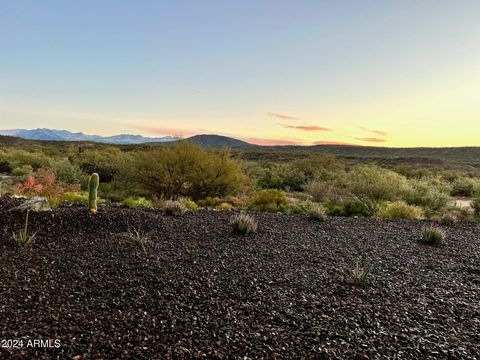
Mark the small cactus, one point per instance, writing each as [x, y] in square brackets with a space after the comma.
[93, 182]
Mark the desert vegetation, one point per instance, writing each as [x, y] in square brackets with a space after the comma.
[152, 176]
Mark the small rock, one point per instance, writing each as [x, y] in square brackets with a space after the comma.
[35, 204]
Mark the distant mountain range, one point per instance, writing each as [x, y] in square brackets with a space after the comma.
[16, 138]
[64, 135]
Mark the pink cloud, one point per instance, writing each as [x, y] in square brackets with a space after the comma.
[307, 128]
[372, 140]
[282, 116]
[378, 132]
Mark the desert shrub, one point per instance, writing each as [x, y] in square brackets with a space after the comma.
[188, 170]
[20, 158]
[66, 171]
[475, 205]
[354, 207]
[210, 202]
[324, 191]
[433, 235]
[431, 193]
[269, 200]
[109, 163]
[225, 206]
[401, 210]
[448, 219]
[5, 167]
[318, 167]
[22, 171]
[237, 201]
[174, 208]
[189, 203]
[74, 197]
[243, 224]
[317, 212]
[375, 183]
[45, 183]
[134, 202]
[464, 187]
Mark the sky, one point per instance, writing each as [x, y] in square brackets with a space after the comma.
[382, 73]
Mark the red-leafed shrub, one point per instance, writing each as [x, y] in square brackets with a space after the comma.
[45, 183]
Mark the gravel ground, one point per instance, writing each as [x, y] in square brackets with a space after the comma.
[196, 291]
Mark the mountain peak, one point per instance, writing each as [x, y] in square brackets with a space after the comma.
[65, 135]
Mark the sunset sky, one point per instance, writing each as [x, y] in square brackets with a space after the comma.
[383, 73]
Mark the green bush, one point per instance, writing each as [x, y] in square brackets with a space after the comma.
[187, 170]
[431, 194]
[354, 207]
[74, 197]
[317, 212]
[269, 200]
[401, 210]
[22, 171]
[432, 235]
[133, 202]
[375, 183]
[464, 187]
[189, 203]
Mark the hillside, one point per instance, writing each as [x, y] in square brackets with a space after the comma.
[252, 151]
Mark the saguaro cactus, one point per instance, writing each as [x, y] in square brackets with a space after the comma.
[93, 182]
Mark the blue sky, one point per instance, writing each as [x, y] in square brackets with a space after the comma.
[394, 73]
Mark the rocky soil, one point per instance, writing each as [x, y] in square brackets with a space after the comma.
[196, 291]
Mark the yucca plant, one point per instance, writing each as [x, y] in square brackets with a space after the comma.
[243, 224]
[23, 237]
[174, 208]
[358, 275]
[433, 235]
[136, 236]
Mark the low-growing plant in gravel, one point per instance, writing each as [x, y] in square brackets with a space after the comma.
[358, 274]
[136, 236]
[23, 237]
[317, 212]
[174, 208]
[433, 235]
[243, 224]
[448, 219]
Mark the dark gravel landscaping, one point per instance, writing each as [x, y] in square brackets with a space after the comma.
[196, 291]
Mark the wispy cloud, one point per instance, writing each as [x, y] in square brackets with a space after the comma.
[307, 127]
[327, 142]
[282, 116]
[377, 132]
[372, 140]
